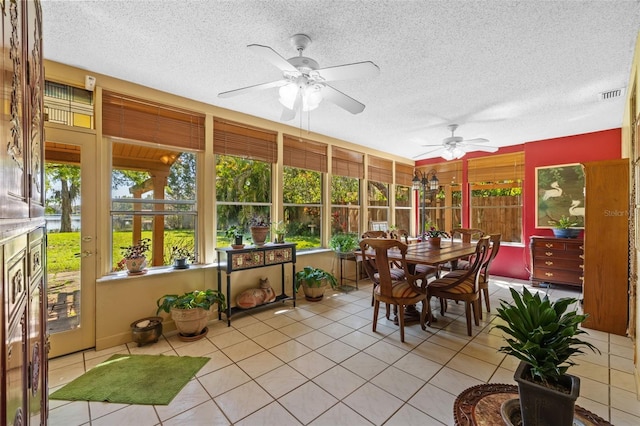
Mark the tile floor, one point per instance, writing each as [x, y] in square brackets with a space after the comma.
[321, 364]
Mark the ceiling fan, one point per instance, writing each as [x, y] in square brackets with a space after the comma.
[456, 147]
[304, 83]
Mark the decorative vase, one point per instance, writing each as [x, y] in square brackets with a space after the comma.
[434, 241]
[146, 330]
[313, 294]
[190, 322]
[259, 234]
[545, 406]
[566, 232]
[136, 265]
[180, 263]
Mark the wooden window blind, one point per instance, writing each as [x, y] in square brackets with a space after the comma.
[345, 162]
[447, 172]
[380, 169]
[304, 154]
[404, 174]
[496, 168]
[127, 117]
[244, 141]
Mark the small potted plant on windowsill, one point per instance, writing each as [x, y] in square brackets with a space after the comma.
[433, 236]
[564, 227]
[134, 257]
[234, 234]
[259, 226]
[190, 311]
[542, 335]
[313, 282]
[181, 256]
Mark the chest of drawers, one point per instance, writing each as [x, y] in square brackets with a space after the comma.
[557, 261]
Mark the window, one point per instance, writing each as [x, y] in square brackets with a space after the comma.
[153, 175]
[347, 170]
[71, 106]
[379, 180]
[404, 176]
[244, 158]
[304, 163]
[496, 195]
[443, 208]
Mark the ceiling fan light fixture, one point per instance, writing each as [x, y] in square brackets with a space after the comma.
[311, 96]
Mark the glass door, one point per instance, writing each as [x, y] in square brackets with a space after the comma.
[70, 213]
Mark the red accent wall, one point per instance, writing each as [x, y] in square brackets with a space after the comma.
[514, 261]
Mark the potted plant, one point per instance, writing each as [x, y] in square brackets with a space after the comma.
[542, 335]
[259, 226]
[181, 255]
[564, 227]
[190, 311]
[279, 230]
[434, 236]
[342, 242]
[313, 281]
[234, 234]
[134, 256]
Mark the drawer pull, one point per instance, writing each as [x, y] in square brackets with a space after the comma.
[581, 256]
[581, 278]
[549, 274]
[548, 263]
[581, 267]
[548, 245]
[548, 253]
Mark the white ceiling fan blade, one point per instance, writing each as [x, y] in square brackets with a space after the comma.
[349, 71]
[472, 147]
[253, 88]
[343, 101]
[425, 153]
[272, 56]
[476, 140]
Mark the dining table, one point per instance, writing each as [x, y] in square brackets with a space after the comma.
[424, 253]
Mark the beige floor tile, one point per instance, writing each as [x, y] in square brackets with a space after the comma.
[242, 320]
[67, 360]
[295, 330]
[620, 418]
[359, 340]
[242, 401]
[337, 351]
[340, 414]
[62, 376]
[596, 408]
[621, 351]
[307, 402]
[160, 347]
[386, 352]
[625, 401]
[336, 330]
[315, 339]
[339, 381]
[278, 321]
[254, 330]
[271, 339]
[312, 364]
[418, 366]
[199, 348]
[289, 350]
[623, 380]
[472, 367]
[590, 371]
[621, 364]
[453, 381]
[317, 308]
[272, 414]
[436, 353]
[317, 321]
[217, 360]
[220, 381]
[483, 353]
[242, 350]
[594, 390]
[490, 340]
[407, 415]
[204, 414]
[373, 403]
[228, 339]
[192, 395]
[502, 375]
[435, 402]
[398, 383]
[259, 364]
[280, 381]
[299, 313]
[73, 413]
[138, 415]
[364, 365]
[621, 340]
[335, 314]
[99, 409]
[120, 349]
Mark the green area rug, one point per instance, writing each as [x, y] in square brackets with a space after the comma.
[133, 379]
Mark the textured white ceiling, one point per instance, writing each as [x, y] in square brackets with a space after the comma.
[507, 71]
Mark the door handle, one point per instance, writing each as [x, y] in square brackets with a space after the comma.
[85, 253]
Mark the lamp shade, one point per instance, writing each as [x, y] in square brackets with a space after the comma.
[311, 95]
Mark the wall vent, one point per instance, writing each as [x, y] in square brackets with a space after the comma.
[611, 94]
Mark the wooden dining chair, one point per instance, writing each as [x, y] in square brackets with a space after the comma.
[374, 234]
[400, 235]
[390, 290]
[463, 286]
[494, 240]
[466, 235]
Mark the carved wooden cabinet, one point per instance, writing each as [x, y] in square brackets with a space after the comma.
[23, 358]
[557, 261]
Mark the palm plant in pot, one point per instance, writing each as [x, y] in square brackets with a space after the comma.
[190, 310]
[542, 335]
[313, 282]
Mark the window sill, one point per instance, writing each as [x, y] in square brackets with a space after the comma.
[155, 271]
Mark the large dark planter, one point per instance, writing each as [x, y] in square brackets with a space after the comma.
[543, 406]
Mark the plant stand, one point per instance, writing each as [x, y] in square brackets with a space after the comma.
[350, 257]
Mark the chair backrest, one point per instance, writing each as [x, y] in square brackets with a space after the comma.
[467, 234]
[495, 247]
[477, 262]
[400, 235]
[375, 234]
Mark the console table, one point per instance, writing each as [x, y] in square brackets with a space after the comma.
[480, 405]
[557, 260]
[251, 257]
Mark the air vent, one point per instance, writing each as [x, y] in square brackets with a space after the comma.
[611, 94]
